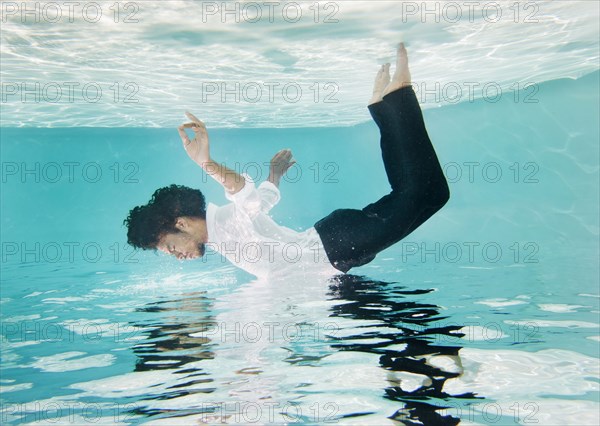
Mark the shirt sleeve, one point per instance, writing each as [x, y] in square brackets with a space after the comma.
[269, 196]
[252, 200]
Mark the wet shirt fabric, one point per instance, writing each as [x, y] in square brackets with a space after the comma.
[244, 233]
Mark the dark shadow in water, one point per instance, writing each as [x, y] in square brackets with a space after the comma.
[418, 328]
[169, 346]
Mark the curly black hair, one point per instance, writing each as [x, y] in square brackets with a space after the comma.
[147, 224]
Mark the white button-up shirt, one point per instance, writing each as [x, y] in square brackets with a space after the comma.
[244, 233]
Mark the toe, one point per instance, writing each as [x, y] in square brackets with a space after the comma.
[386, 70]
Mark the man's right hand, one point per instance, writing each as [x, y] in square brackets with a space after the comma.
[197, 148]
[198, 151]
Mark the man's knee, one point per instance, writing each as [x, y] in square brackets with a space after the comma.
[438, 193]
[443, 195]
[427, 197]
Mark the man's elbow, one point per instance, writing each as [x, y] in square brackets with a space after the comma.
[235, 187]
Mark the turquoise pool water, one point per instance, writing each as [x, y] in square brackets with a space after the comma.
[487, 314]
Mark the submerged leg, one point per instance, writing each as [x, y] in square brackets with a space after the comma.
[419, 189]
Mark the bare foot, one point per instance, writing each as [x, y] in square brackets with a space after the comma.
[402, 75]
[381, 81]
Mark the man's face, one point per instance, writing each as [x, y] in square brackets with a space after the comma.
[181, 245]
[187, 243]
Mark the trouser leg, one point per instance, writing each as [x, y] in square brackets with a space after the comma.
[353, 237]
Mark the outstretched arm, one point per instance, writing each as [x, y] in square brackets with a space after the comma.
[198, 150]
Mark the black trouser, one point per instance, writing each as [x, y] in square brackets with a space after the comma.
[419, 189]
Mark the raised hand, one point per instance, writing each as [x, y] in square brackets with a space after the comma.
[197, 148]
[280, 163]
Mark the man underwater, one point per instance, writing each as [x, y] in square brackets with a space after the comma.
[177, 221]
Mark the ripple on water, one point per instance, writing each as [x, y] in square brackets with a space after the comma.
[71, 361]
